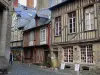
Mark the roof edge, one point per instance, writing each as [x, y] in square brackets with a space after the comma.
[60, 4]
[36, 27]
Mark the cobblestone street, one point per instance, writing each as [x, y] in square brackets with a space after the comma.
[25, 69]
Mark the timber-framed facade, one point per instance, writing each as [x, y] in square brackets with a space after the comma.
[76, 32]
[36, 39]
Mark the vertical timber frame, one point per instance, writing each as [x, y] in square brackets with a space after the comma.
[80, 33]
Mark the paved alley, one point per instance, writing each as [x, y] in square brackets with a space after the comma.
[25, 69]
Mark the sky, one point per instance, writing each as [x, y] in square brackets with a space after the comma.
[23, 2]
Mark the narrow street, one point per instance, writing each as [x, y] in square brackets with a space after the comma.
[61, 36]
[25, 69]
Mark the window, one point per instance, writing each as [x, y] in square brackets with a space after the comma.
[72, 21]
[86, 54]
[68, 53]
[35, 35]
[43, 34]
[58, 26]
[31, 37]
[89, 18]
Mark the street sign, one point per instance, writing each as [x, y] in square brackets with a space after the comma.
[62, 65]
[77, 67]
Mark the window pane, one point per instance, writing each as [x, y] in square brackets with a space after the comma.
[70, 26]
[92, 20]
[83, 54]
[74, 29]
[43, 38]
[89, 18]
[72, 22]
[31, 36]
[87, 54]
[56, 29]
[68, 54]
[70, 30]
[57, 26]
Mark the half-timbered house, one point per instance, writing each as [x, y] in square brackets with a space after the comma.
[36, 40]
[75, 36]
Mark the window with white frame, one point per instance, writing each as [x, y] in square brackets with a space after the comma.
[31, 37]
[68, 54]
[89, 18]
[58, 26]
[72, 22]
[87, 54]
[43, 34]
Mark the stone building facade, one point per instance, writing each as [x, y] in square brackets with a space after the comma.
[5, 27]
[36, 39]
[76, 33]
[16, 42]
[16, 38]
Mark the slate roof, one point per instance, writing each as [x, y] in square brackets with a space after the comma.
[45, 13]
[27, 17]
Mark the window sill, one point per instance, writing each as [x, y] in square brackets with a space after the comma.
[42, 42]
[71, 33]
[68, 62]
[90, 30]
[57, 36]
[87, 63]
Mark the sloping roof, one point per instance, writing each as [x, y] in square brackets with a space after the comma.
[28, 19]
[42, 21]
[26, 16]
[45, 13]
[60, 4]
[44, 18]
[30, 24]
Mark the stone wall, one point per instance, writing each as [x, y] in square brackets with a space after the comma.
[5, 29]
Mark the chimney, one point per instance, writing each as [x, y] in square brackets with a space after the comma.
[30, 3]
[15, 3]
